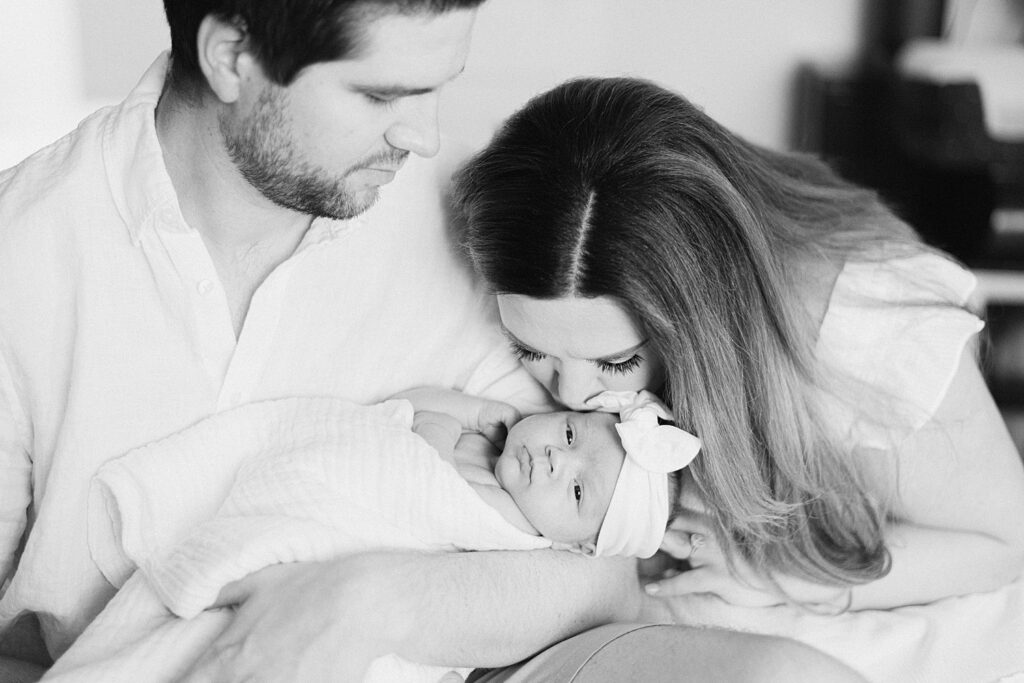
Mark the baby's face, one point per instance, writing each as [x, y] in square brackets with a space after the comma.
[561, 469]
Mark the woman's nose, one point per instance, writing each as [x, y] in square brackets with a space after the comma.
[572, 388]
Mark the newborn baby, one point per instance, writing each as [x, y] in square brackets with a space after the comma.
[597, 483]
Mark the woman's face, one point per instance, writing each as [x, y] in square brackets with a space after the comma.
[578, 347]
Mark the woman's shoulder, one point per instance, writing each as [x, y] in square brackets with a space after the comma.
[892, 338]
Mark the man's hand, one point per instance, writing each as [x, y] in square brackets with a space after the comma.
[317, 621]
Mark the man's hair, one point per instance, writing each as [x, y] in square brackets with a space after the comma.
[619, 188]
[285, 35]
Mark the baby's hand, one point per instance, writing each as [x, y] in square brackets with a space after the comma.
[493, 420]
[440, 430]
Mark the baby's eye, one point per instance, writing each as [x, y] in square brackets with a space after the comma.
[577, 491]
[570, 434]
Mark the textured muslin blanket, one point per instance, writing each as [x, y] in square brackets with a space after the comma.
[287, 480]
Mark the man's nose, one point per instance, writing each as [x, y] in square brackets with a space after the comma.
[416, 129]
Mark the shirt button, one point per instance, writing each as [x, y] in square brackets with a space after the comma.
[204, 287]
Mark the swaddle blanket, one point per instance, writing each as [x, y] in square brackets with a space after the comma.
[296, 479]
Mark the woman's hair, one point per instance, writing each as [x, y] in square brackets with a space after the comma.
[619, 188]
[285, 35]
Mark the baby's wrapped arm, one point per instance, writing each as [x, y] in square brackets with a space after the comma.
[490, 418]
[440, 430]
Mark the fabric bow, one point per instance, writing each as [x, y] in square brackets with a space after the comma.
[637, 515]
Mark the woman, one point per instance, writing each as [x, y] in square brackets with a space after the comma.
[816, 346]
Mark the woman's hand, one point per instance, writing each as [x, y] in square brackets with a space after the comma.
[692, 539]
[692, 562]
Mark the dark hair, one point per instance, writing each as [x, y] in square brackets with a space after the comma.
[285, 35]
[620, 188]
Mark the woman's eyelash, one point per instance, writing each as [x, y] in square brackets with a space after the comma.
[523, 353]
[618, 368]
[622, 367]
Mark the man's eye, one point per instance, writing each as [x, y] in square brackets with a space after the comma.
[577, 491]
[381, 100]
[570, 434]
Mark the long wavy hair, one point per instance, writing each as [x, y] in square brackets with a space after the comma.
[620, 188]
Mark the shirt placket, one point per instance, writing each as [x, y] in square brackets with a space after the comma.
[212, 333]
[252, 351]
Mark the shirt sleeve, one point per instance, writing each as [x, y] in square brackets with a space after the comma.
[15, 471]
[891, 343]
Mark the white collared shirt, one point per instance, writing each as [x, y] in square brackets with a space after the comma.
[115, 331]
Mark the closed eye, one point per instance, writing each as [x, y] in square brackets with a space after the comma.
[621, 367]
[383, 101]
[525, 354]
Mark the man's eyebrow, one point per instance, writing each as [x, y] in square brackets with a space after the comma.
[395, 90]
[392, 90]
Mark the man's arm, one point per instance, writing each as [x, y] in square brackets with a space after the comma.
[328, 621]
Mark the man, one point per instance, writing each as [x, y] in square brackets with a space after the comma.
[259, 224]
[262, 224]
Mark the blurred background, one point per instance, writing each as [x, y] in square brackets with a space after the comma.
[60, 59]
[921, 99]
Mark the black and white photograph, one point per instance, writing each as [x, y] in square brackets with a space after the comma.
[512, 341]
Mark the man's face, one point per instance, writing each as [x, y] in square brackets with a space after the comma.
[324, 144]
[561, 469]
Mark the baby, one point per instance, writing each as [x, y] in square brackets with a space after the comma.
[597, 483]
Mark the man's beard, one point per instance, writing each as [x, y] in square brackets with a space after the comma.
[266, 157]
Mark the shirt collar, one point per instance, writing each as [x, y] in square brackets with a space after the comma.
[134, 161]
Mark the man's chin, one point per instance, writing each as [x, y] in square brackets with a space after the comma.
[355, 204]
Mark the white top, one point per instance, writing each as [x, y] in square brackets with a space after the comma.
[115, 331]
[894, 344]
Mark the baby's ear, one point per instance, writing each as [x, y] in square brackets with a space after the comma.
[578, 548]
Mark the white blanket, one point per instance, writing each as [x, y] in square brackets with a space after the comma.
[279, 481]
[970, 639]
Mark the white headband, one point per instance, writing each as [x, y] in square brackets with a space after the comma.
[634, 525]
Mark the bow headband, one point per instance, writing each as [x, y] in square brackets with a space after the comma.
[638, 511]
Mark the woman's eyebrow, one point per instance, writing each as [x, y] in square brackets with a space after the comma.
[600, 359]
[621, 354]
[517, 341]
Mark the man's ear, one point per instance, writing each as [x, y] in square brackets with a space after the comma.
[578, 548]
[223, 58]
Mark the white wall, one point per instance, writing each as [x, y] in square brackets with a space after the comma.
[60, 59]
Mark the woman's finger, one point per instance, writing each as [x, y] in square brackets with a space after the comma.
[692, 581]
[679, 543]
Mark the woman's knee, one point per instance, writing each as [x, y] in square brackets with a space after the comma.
[674, 654]
[656, 654]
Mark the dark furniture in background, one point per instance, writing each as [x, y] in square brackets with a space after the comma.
[925, 148]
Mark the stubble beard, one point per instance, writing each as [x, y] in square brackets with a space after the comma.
[267, 158]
